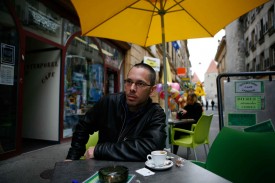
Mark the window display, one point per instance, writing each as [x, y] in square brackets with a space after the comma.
[83, 81]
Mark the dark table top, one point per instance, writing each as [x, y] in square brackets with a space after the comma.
[180, 121]
[80, 170]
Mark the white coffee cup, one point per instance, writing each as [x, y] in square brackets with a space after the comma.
[158, 157]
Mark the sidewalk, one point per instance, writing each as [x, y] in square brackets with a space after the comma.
[27, 167]
[32, 166]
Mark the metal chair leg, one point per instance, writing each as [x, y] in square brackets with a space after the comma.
[188, 151]
[205, 150]
[195, 154]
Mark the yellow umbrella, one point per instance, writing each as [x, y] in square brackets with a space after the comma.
[142, 21]
[139, 21]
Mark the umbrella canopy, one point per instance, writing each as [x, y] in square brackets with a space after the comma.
[150, 22]
[138, 21]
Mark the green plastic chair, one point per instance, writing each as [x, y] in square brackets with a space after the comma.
[198, 135]
[93, 139]
[242, 157]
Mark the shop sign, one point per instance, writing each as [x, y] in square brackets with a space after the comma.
[7, 62]
[41, 20]
[249, 87]
[181, 71]
[6, 74]
[43, 66]
[153, 62]
[185, 79]
[7, 54]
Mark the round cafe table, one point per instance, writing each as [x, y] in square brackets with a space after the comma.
[81, 170]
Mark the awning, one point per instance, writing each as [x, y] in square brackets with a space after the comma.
[169, 73]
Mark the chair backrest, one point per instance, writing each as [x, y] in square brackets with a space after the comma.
[243, 156]
[202, 129]
[92, 140]
[264, 126]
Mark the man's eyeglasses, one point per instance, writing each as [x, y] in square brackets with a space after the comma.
[138, 84]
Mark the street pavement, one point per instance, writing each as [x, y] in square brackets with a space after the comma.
[37, 166]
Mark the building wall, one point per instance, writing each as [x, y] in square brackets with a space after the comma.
[220, 56]
[250, 41]
[260, 37]
[221, 60]
[235, 55]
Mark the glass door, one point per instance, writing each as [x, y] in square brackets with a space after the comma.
[9, 79]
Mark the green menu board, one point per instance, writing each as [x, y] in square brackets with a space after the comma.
[236, 119]
[248, 102]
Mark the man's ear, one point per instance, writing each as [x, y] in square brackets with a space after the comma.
[153, 89]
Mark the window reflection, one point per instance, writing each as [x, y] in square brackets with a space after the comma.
[83, 81]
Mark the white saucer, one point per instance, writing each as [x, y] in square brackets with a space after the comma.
[168, 164]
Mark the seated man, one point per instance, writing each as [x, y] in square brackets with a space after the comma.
[130, 125]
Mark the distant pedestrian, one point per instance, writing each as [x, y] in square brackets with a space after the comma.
[212, 104]
[206, 105]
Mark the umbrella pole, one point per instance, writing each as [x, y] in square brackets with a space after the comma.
[165, 79]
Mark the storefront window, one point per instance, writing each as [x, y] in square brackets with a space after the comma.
[83, 81]
[68, 29]
[113, 56]
[9, 43]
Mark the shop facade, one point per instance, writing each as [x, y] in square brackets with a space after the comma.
[49, 74]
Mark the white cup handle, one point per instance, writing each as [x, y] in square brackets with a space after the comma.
[149, 157]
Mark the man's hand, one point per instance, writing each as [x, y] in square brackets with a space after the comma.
[89, 153]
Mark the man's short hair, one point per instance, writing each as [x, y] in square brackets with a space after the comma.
[150, 69]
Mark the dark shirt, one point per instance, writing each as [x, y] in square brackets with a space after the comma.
[193, 112]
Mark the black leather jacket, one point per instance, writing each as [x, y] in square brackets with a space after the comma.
[118, 140]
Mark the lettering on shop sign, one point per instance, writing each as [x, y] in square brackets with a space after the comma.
[249, 103]
[41, 65]
[47, 76]
[249, 87]
[42, 20]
